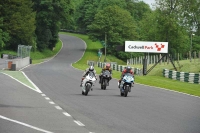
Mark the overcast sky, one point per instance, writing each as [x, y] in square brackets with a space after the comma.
[149, 1]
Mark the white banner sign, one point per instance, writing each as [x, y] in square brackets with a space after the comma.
[146, 47]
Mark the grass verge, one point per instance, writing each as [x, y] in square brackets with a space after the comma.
[19, 76]
[155, 77]
[38, 57]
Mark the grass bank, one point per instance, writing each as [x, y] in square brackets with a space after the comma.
[154, 78]
[38, 57]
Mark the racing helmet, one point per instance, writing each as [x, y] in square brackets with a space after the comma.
[108, 66]
[91, 68]
[128, 69]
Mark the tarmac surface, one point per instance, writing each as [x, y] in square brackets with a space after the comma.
[61, 108]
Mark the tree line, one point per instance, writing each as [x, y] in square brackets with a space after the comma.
[32, 22]
[38, 22]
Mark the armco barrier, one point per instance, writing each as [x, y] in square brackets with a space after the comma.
[182, 76]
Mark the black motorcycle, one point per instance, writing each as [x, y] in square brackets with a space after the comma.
[105, 78]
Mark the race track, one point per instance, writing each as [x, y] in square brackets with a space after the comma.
[145, 110]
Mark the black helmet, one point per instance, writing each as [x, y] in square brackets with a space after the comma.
[91, 68]
[128, 68]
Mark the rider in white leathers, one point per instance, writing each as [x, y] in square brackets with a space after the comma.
[91, 68]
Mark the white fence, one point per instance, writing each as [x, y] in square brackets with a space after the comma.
[152, 59]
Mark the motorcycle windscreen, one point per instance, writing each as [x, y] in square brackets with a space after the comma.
[106, 73]
[91, 74]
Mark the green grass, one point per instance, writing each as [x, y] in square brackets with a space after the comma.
[91, 51]
[162, 82]
[185, 66]
[38, 57]
[154, 78]
[19, 76]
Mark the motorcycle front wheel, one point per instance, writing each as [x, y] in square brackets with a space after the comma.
[105, 84]
[87, 89]
[126, 91]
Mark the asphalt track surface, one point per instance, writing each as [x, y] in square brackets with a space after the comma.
[145, 110]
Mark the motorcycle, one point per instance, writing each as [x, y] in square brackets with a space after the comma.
[88, 82]
[105, 79]
[126, 84]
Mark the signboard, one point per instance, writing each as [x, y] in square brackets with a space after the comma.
[148, 47]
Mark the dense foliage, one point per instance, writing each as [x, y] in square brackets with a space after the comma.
[38, 22]
[173, 21]
[17, 23]
[49, 16]
[35, 23]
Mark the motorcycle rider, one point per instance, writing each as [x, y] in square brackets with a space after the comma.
[127, 69]
[106, 67]
[87, 70]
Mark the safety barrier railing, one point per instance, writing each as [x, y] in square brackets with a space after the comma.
[182, 76]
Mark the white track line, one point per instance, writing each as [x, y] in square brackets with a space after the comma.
[47, 98]
[58, 107]
[43, 95]
[169, 90]
[24, 124]
[32, 83]
[79, 123]
[51, 102]
[36, 89]
[65, 113]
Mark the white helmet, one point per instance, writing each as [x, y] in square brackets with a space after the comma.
[91, 68]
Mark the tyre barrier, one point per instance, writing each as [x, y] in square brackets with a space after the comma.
[182, 76]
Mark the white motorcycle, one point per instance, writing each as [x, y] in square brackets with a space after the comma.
[126, 84]
[88, 82]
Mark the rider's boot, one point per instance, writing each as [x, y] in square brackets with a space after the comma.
[109, 80]
[81, 83]
[119, 83]
[132, 84]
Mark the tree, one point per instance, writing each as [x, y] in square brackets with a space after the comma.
[116, 23]
[85, 13]
[4, 36]
[105, 3]
[167, 26]
[89, 8]
[190, 15]
[49, 18]
[18, 23]
[137, 9]
[67, 20]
